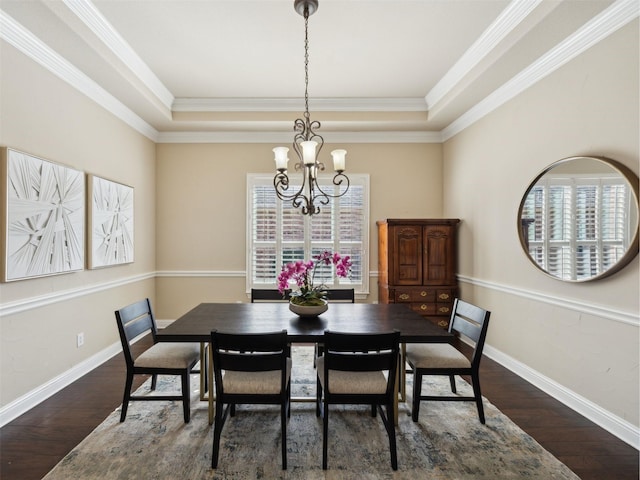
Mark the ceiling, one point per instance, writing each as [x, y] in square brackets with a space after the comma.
[231, 69]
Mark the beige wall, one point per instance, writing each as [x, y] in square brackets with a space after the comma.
[42, 115]
[201, 192]
[190, 222]
[588, 107]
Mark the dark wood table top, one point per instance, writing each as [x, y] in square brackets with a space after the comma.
[196, 325]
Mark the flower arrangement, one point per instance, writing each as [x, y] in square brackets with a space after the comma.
[302, 273]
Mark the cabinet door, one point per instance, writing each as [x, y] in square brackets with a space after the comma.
[407, 250]
[439, 255]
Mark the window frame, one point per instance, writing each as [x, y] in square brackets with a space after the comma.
[261, 179]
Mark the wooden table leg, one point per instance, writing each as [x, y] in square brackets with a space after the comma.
[403, 372]
[211, 394]
[203, 371]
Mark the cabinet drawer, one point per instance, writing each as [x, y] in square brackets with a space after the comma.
[445, 295]
[432, 308]
[418, 294]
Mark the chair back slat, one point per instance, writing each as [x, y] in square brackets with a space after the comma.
[362, 352]
[268, 295]
[344, 295]
[249, 352]
[249, 361]
[134, 320]
[472, 322]
[362, 342]
[359, 362]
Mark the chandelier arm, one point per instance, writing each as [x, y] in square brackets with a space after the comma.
[281, 185]
[338, 179]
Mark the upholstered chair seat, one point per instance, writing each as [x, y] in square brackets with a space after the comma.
[255, 383]
[352, 382]
[436, 355]
[169, 355]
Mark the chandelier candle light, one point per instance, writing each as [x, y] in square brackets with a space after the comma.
[307, 145]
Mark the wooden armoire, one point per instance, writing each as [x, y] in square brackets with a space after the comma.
[417, 265]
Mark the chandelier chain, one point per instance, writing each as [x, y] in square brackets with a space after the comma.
[306, 62]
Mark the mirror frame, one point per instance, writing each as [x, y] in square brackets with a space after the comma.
[631, 251]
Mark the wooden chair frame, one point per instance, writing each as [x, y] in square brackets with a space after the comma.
[134, 320]
[472, 322]
[359, 352]
[261, 352]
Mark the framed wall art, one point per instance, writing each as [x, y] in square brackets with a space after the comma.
[110, 223]
[43, 217]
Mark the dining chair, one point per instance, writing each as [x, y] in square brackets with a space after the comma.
[163, 358]
[335, 295]
[268, 295]
[358, 368]
[250, 369]
[469, 321]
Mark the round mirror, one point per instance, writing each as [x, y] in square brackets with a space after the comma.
[578, 220]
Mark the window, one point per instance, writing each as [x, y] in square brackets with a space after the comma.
[579, 227]
[277, 233]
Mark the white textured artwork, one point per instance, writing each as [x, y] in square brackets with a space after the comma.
[110, 222]
[44, 215]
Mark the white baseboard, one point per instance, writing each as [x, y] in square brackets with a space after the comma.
[31, 399]
[617, 426]
[26, 402]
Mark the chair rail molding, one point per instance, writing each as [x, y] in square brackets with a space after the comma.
[39, 301]
[630, 318]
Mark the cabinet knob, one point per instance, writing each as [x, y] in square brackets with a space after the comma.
[443, 323]
[423, 293]
[443, 309]
[423, 307]
[404, 296]
[443, 296]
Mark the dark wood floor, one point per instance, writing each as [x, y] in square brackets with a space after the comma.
[35, 442]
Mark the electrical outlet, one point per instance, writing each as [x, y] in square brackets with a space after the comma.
[80, 340]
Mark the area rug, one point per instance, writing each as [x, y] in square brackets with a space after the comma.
[448, 442]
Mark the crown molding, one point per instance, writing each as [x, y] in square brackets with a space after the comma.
[295, 104]
[101, 28]
[15, 34]
[285, 137]
[598, 28]
[504, 24]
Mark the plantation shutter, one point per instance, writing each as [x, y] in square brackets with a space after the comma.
[278, 233]
[579, 226]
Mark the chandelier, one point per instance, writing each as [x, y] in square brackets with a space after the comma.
[307, 145]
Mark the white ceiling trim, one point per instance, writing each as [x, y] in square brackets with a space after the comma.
[285, 137]
[617, 15]
[22, 39]
[609, 21]
[296, 104]
[506, 22]
[87, 12]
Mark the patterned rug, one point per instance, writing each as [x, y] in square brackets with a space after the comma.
[447, 443]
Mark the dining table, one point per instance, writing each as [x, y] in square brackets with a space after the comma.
[197, 324]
